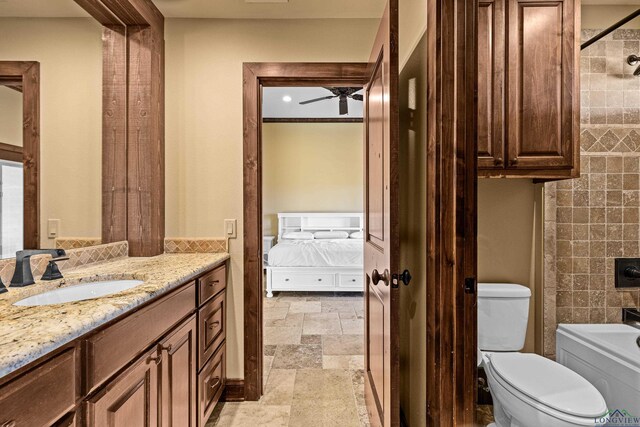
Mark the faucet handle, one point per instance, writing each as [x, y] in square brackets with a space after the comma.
[53, 271]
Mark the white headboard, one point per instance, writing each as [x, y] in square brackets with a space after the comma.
[319, 221]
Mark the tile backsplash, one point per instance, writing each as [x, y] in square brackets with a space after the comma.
[77, 258]
[77, 242]
[178, 245]
[591, 220]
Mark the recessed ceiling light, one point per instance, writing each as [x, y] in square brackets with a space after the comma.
[286, 98]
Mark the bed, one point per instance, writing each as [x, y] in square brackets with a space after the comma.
[318, 265]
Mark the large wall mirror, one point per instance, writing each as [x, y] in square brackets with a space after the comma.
[66, 206]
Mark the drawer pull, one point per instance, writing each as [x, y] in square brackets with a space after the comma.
[286, 280]
[319, 280]
[214, 324]
[215, 384]
[165, 347]
[10, 423]
[353, 280]
[156, 359]
[213, 283]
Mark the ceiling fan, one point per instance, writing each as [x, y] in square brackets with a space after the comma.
[342, 93]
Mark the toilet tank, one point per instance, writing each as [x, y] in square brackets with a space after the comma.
[503, 313]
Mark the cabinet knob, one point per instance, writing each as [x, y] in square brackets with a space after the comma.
[157, 359]
[514, 161]
[164, 347]
[498, 161]
[213, 385]
[214, 325]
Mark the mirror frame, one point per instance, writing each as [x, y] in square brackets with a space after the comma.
[24, 76]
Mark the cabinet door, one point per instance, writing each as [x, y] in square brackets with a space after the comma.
[131, 400]
[542, 99]
[178, 387]
[491, 63]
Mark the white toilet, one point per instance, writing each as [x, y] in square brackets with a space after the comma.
[528, 390]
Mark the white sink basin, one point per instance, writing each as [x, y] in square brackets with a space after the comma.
[81, 292]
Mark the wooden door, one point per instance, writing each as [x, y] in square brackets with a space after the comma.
[542, 89]
[491, 42]
[178, 386]
[381, 249]
[131, 400]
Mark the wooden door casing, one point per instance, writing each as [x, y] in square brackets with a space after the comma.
[451, 208]
[382, 245]
[179, 375]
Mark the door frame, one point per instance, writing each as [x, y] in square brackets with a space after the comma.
[256, 76]
[24, 77]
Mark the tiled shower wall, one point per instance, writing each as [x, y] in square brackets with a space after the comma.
[594, 219]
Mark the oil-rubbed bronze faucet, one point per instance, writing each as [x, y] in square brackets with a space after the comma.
[22, 276]
[631, 317]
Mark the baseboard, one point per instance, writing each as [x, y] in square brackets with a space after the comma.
[234, 390]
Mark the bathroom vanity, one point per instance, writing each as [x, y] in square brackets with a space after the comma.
[151, 355]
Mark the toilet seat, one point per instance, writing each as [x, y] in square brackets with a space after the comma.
[553, 388]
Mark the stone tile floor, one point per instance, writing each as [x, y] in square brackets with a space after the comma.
[313, 363]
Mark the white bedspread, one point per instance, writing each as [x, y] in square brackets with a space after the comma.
[317, 253]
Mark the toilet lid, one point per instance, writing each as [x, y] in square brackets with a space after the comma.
[549, 383]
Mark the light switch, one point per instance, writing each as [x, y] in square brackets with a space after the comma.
[230, 226]
[53, 228]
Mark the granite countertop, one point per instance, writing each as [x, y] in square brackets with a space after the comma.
[27, 333]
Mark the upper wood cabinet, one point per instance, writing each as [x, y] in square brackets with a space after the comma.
[528, 88]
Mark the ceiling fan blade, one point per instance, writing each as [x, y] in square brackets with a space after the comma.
[357, 97]
[309, 101]
[344, 107]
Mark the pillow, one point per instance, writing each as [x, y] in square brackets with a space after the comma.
[331, 235]
[356, 235]
[298, 235]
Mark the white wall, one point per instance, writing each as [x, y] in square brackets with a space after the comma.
[310, 167]
[10, 116]
[70, 56]
[204, 167]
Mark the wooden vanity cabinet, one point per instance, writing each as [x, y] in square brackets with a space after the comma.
[179, 374]
[149, 367]
[129, 400]
[160, 383]
[528, 88]
[43, 395]
[211, 341]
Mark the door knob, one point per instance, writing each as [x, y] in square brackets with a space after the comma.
[405, 277]
[376, 277]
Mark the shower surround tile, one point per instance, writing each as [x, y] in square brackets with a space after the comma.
[591, 220]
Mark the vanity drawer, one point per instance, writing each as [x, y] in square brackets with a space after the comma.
[41, 396]
[211, 382]
[311, 281]
[348, 280]
[212, 283]
[114, 347]
[211, 327]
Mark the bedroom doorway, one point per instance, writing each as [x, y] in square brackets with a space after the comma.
[443, 127]
[313, 223]
[275, 325]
